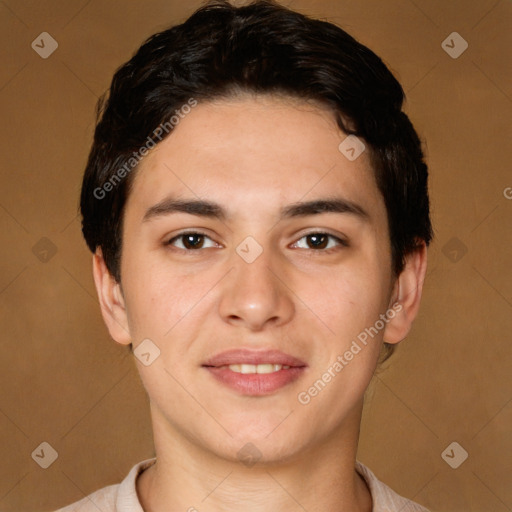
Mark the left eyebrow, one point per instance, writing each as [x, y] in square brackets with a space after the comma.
[214, 210]
[334, 205]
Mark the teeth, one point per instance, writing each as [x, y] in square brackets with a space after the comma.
[257, 368]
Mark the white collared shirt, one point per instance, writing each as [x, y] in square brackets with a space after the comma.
[123, 497]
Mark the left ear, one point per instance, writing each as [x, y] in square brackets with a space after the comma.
[406, 295]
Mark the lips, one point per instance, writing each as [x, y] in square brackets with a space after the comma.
[255, 373]
[245, 356]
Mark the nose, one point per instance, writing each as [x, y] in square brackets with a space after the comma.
[257, 295]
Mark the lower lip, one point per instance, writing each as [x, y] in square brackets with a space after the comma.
[256, 384]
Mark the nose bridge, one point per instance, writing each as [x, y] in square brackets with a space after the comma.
[254, 293]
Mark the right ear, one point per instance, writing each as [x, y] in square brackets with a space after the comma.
[111, 300]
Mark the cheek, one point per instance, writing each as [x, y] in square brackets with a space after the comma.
[348, 298]
[156, 299]
[350, 303]
[166, 303]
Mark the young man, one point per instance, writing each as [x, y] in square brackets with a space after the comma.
[257, 207]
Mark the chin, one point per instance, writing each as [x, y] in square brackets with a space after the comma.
[257, 451]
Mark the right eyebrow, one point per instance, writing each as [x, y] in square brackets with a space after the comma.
[190, 206]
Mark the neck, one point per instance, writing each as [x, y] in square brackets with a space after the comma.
[187, 477]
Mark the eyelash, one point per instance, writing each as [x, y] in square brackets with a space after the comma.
[340, 241]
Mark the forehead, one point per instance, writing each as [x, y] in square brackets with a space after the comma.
[254, 150]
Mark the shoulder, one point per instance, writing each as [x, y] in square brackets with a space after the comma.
[114, 498]
[104, 500]
[384, 498]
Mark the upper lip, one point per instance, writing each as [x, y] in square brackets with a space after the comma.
[248, 356]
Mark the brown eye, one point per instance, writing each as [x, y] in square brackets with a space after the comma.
[321, 242]
[193, 241]
[190, 241]
[318, 240]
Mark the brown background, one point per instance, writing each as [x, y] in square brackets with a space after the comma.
[64, 381]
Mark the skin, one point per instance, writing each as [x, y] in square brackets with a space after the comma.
[255, 155]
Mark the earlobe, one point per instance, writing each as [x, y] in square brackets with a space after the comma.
[111, 300]
[407, 295]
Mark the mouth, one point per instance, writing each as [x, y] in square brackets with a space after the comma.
[255, 373]
[248, 369]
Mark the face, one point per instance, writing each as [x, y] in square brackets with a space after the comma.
[250, 239]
